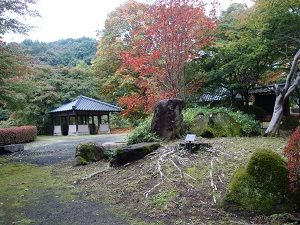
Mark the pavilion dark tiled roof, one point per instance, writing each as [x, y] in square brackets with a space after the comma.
[268, 89]
[83, 103]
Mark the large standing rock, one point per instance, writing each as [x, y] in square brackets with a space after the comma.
[167, 120]
[216, 125]
[88, 152]
[132, 152]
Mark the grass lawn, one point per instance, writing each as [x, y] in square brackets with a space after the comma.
[184, 195]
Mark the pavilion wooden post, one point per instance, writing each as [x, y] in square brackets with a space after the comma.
[108, 122]
[87, 120]
[53, 124]
[60, 122]
[76, 122]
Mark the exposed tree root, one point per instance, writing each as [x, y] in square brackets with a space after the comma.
[90, 176]
[212, 184]
[170, 154]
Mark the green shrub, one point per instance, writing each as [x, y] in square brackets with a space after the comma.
[269, 170]
[17, 135]
[261, 185]
[290, 123]
[206, 132]
[238, 123]
[119, 121]
[244, 192]
[257, 112]
[143, 133]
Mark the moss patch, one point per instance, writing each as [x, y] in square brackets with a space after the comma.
[198, 172]
[261, 185]
[90, 152]
[162, 199]
[24, 184]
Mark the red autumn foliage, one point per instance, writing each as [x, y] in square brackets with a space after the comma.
[292, 152]
[16, 135]
[172, 34]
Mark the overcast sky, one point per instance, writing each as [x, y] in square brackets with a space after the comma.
[75, 18]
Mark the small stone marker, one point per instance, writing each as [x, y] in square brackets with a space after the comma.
[190, 138]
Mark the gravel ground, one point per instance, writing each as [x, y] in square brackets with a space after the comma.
[54, 151]
[50, 210]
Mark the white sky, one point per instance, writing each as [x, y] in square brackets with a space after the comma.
[75, 18]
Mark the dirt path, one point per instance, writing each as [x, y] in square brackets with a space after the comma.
[34, 193]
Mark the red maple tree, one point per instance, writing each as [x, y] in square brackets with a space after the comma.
[172, 34]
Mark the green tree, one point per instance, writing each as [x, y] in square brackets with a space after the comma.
[240, 57]
[115, 38]
[279, 23]
[47, 88]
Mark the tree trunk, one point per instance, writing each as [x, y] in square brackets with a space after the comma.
[246, 101]
[277, 115]
[282, 94]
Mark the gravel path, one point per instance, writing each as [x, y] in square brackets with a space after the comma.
[49, 210]
[57, 150]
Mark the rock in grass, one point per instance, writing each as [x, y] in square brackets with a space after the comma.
[261, 186]
[132, 152]
[216, 125]
[6, 149]
[88, 152]
[79, 161]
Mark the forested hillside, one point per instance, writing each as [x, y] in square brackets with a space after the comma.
[145, 55]
[67, 52]
[39, 76]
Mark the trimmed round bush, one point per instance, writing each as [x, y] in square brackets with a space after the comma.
[269, 170]
[17, 135]
[260, 186]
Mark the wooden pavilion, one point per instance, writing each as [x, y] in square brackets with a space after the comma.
[264, 97]
[84, 115]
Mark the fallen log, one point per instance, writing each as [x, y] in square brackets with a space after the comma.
[131, 153]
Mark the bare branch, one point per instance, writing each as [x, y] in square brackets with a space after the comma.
[293, 86]
[292, 70]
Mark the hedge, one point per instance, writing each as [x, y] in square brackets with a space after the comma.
[16, 135]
